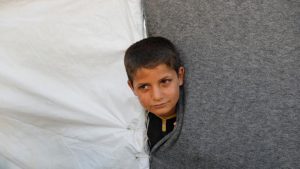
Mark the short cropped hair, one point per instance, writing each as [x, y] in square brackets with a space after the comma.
[149, 53]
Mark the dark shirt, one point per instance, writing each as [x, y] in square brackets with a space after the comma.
[156, 129]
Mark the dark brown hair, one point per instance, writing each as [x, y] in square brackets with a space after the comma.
[149, 53]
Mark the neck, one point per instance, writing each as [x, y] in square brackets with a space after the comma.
[167, 117]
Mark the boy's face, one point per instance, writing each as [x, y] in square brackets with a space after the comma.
[158, 88]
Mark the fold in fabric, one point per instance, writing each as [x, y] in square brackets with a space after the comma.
[64, 99]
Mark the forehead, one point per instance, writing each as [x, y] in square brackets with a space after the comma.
[151, 74]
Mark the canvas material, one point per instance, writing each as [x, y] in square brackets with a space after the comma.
[242, 83]
[64, 99]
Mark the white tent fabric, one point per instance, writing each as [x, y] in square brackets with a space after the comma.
[64, 101]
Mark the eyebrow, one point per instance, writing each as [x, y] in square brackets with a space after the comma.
[142, 84]
[166, 77]
[163, 78]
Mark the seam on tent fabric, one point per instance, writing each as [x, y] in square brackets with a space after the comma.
[146, 34]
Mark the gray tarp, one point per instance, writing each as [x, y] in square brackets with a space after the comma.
[242, 85]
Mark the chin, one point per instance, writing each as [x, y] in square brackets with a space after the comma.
[161, 113]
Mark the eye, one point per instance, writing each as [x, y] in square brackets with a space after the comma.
[143, 87]
[166, 81]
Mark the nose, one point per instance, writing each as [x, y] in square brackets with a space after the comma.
[157, 93]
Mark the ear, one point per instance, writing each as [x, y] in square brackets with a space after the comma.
[181, 75]
[130, 84]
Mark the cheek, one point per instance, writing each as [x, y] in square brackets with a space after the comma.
[144, 100]
[173, 93]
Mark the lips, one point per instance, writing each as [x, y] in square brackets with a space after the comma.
[159, 106]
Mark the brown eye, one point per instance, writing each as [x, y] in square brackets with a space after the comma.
[166, 81]
[143, 87]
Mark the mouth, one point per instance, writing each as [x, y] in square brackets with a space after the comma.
[159, 106]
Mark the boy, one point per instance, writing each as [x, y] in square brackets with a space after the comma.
[155, 75]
